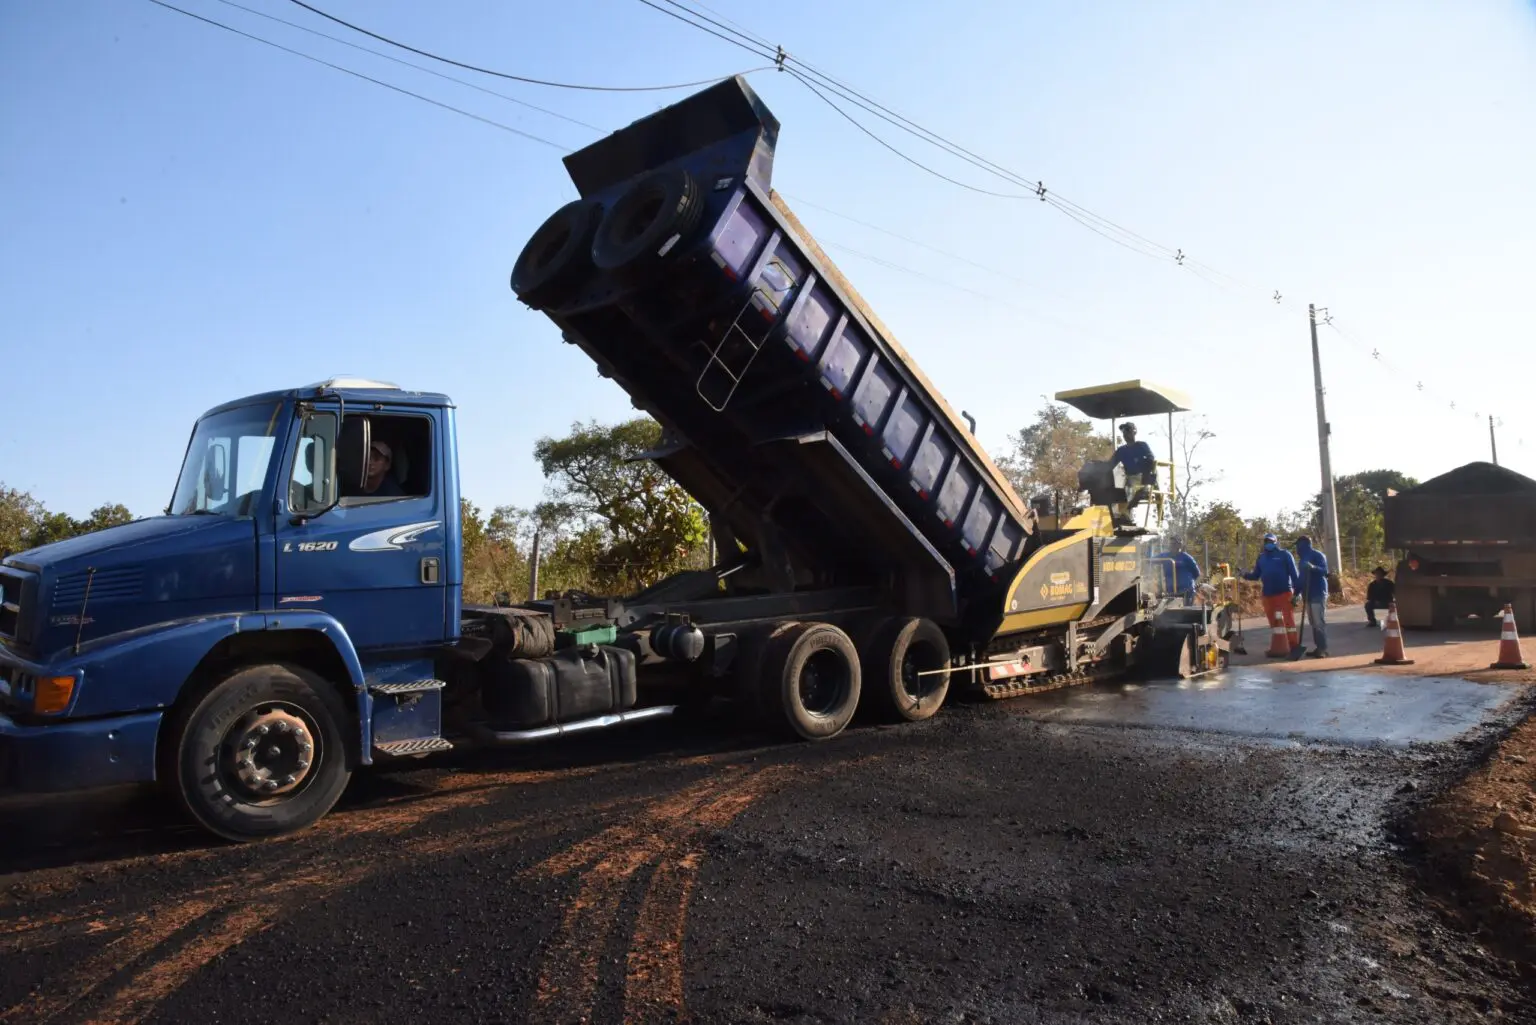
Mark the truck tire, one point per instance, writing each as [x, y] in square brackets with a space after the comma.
[648, 222]
[261, 754]
[891, 659]
[808, 682]
[556, 253]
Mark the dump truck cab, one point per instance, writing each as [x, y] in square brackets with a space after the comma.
[315, 529]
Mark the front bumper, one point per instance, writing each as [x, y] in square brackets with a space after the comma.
[78, 755]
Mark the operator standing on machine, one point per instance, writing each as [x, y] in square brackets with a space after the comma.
[1139, 463]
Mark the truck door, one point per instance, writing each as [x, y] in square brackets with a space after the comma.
[374, 558]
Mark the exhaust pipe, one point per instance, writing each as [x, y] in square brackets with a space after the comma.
[511, 738]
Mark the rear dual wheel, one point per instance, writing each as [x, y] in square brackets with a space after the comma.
[906, 669]
[801, 679]
[808, 679]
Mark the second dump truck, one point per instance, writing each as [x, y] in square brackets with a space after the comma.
[1468, 539]
[297, 613]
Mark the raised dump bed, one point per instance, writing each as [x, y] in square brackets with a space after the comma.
[792, 414]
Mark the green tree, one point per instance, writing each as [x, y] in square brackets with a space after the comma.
[1045, 456]
[51, 527]
[1361, 500]
[104, 516]
[19, 513]
[25, 523]
[1221, 529]
[1378, 482]
[624, 513]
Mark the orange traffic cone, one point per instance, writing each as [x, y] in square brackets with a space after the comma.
[1392, 653]
[1279, 639]
[1509, 645]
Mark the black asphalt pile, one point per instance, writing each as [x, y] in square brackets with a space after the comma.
[984, 867]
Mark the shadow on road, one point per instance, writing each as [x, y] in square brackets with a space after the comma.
[62, 830]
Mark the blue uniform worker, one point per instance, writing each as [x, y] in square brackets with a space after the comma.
[1140, 469]
[1313, 569]
[1276, 572]
[1135, 456]
[1180, 571]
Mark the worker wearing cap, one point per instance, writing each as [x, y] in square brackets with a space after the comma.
[1139, 463]
[1276, 572]
[379, 482]
[1313, 566]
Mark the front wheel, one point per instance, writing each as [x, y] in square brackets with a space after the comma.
[261, 754]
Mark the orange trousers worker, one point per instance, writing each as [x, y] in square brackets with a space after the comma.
[1276, 571]
[1283, 635]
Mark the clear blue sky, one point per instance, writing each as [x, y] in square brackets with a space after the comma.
[189, 216]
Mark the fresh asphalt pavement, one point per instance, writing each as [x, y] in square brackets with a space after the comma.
[1218, 850]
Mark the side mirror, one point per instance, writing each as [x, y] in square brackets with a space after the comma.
[216, 474]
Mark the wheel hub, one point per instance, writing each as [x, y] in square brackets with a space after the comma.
[821, 684]
[272, 751]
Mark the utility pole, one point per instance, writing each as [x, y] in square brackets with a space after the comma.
[533, 566]
[1330, 508]
[1493, 442]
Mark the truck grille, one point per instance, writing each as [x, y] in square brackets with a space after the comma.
[18, 589]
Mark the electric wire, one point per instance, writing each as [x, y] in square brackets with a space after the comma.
[405, 63]
[1086, 218]
[768, 52]
[511, 77]
[988, 296]
[365, 78]
[800, 201]
[911, 160]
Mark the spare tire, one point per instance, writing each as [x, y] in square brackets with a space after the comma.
[808, 682]
[648, 222]
[901, 660]
[557, 253]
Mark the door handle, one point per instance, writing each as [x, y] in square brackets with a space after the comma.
[429, 570]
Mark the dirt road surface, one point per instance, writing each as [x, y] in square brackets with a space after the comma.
[1222, 850]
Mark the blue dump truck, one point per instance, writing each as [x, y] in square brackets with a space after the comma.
[297, 613]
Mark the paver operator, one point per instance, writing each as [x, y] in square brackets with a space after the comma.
[1139, 463]
[1276, 572]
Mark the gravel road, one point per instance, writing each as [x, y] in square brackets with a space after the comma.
[1073, 858]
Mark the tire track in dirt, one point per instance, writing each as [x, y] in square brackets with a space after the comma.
[236, 911]
[149, 953]
[666, 839]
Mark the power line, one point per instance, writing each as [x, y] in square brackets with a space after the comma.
[1022, 282]
[892, 265]
[911, 160]
[806, 73]
[769, 52]
[405, 63]
[506, 75]
[365, 78]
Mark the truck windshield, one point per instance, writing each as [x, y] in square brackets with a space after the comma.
[227, 461]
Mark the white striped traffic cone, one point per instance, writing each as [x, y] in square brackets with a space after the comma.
[1509, 645]
[1279, 639]
[1392, 653]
